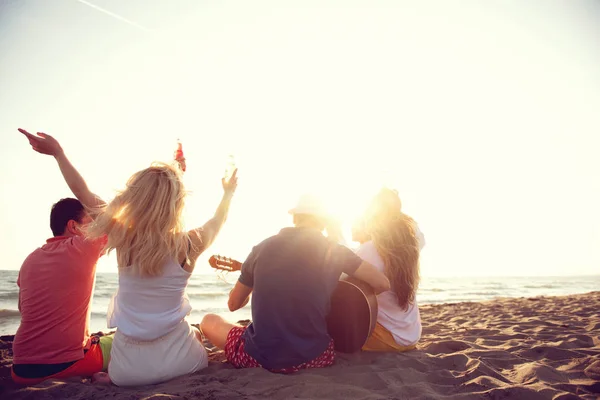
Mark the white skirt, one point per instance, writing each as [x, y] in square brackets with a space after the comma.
[134, 363]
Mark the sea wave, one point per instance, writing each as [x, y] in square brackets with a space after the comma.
[98, 314]
[482, 293]
[546, 286]
[12, 295]
[209, 285]
[104, 294]
[206, 295]
[9, 313]
[434, 290]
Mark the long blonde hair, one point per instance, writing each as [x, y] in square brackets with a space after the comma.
[143, 222]
[394, 236]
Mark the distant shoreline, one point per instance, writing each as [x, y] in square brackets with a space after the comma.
[209, 272]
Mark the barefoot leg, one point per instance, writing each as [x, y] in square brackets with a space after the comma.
[216, 329]
[101, 378]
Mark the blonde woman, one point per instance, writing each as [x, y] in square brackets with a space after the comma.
[391, 241]
[156, 257]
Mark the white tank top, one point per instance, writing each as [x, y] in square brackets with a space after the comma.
[146, 308]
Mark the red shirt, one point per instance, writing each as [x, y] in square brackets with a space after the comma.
[56, 283]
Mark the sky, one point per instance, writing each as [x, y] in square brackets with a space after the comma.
[484, 116]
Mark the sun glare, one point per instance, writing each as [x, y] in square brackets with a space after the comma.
[476, 118]
[120, 213]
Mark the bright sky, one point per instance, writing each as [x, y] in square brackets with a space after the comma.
[484, 116]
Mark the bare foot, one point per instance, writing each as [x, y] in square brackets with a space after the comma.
[101, 378]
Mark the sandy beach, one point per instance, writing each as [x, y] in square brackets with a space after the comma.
[524, 348]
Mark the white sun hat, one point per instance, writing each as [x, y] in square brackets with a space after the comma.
[311, 205]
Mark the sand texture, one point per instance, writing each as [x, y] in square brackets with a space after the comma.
[525, 348]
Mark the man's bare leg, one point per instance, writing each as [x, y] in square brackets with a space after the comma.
[216, 329]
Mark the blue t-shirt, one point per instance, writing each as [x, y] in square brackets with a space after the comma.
[291, 295]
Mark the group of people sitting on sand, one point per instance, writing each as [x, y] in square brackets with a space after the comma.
[290, 276]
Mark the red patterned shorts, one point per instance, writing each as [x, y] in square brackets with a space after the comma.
[237, 356]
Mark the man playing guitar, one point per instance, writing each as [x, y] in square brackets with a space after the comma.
[292, 276]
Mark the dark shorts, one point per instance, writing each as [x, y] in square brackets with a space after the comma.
[91, 363]
[237, 356]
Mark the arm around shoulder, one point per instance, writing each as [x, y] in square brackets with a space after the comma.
[357, 267]
[370, 274]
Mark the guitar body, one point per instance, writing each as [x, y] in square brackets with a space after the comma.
[353, 314]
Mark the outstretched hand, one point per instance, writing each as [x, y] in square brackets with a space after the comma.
[229, 185]
[43, 143]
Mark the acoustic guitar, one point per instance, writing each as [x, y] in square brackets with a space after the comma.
[353, 313]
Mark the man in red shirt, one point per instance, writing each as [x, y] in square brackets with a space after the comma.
[56, 284]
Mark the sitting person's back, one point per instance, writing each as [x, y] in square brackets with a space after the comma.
[147, 308]
[154, 342]
[391, 241]
[56, 283]
[292, 289]
[291, 276]
[403, 323]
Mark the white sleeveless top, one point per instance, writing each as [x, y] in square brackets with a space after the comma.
[146, 308]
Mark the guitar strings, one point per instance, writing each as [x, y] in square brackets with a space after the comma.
[222, 276]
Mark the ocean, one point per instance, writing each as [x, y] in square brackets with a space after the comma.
[208, 293]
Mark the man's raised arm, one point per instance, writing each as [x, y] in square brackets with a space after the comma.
[46, 144]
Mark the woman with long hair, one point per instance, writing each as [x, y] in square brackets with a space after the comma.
[391, 241]
[156, 257]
